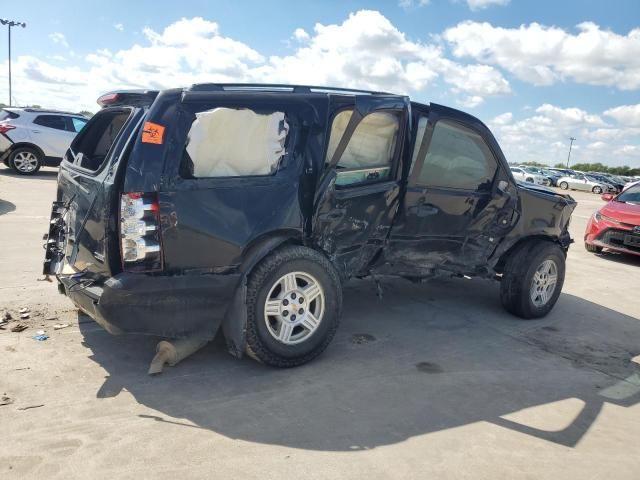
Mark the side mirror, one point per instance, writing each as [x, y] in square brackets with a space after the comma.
[607, 197]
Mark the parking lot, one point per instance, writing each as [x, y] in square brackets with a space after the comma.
[432, 381]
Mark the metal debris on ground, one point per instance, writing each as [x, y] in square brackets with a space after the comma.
[59, 326]
[31, 406]
[6, 400]
[40, 338]
[24, 316]
[19, 328]
[23, 310]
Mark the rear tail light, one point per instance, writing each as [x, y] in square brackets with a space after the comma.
[5, 128]
[140, 241]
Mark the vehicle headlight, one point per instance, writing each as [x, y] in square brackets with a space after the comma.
[599, 217]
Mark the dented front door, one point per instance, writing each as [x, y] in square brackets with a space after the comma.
[355, 205]
[459, 202]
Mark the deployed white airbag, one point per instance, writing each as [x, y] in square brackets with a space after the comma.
[226, 142]
[371, 144]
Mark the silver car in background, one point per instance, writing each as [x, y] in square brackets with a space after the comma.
[585, 183]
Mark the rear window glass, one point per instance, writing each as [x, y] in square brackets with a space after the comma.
[7, 115]
[78, 123]
[229, 142]
[92, 146]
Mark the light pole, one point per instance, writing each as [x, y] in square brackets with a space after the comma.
[9, 24]
[570, 145]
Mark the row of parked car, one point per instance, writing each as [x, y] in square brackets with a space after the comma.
[567, 179]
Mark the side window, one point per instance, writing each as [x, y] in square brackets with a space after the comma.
[369, 154]
[51, 121]
[457, 158]
[78, 123]
[228, 142]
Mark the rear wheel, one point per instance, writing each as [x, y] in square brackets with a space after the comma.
[592, 248]
[563, 185]
[532, 279]
[597, 190]
[294, 300]
[25, 161]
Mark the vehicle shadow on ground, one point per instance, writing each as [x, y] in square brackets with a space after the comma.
[48, 174]
[619, 257]
[6, 207]
[424, 359]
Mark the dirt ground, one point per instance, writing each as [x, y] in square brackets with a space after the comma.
[434, 381]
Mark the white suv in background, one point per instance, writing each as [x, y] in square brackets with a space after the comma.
[524, 176]
[31, 138]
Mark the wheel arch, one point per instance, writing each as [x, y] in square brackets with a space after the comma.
[499, 266]
[33, 146]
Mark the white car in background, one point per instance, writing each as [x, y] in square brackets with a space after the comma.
[31, 138]
[524, 176]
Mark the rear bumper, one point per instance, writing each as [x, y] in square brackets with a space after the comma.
[167, 306]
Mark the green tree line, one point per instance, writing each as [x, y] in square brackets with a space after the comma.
[598, 167]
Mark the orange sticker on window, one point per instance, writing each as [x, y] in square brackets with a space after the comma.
[152, 133]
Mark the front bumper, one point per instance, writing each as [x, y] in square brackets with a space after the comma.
[615, 237]
[162, 305]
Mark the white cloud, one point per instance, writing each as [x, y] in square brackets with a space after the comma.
[119, 27]
[544, 137]
[625, 114]
[545, 55]
[59, 38]
[480, 4]
[301, 35]
[413, 3]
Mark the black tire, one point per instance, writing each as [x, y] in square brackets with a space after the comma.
[261, 345]
[592, 248]
[563, 185]
[517, 278]
[529, 179]
[25, 151]
[597, 190]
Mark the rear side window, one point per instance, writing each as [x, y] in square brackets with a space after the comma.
[229, 142]
[457, 158]
[77, 124]
[369, 153]
[7, 115]
[51, 121]
[91, 147]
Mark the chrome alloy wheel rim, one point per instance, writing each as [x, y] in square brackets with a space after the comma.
[544, 283]
[294, 308]
[25, 162]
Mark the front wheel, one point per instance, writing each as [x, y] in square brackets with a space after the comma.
[532, 279]
[294, 300]
[564, 185]
[25, 161]
[597, 190]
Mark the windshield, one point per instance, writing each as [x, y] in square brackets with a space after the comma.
[631, 195]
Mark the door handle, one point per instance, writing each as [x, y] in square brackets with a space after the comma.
[35, 131]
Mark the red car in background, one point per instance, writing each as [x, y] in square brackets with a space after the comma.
[616, 226]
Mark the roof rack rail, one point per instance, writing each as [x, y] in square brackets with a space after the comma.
[278, 87]
[47, 110]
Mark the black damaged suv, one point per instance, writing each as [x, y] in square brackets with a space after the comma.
[247, 207]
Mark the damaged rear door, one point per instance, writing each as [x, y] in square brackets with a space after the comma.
[459, 202]
[359, 191]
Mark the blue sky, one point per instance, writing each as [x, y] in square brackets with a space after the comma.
[535, 71]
